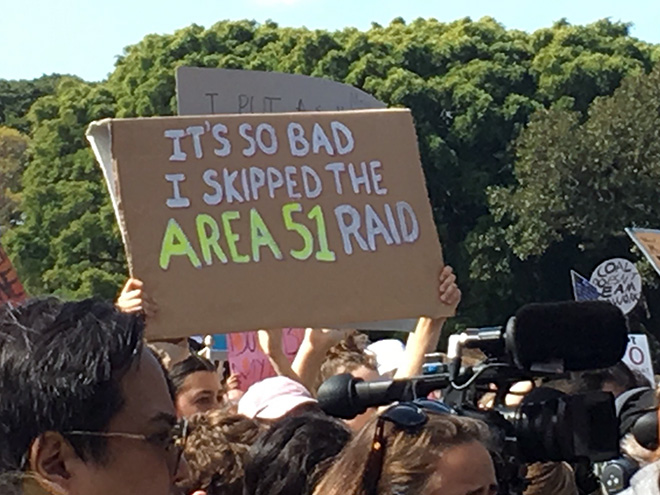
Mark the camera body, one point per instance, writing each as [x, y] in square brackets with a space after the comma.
[542, 342]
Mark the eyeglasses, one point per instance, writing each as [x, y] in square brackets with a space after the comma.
[172, 442]
[407, 416]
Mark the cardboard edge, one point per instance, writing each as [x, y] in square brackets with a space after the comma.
[187, 70]
[649, 257]
[400, 325]
[217, 116]
[99, 135]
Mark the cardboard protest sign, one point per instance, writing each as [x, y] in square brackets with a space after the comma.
[203, 91]
[248, 361]
[207, 91]
[11, 288]
[638, 356]
[648, 241]
[618, 282]
[306, 219]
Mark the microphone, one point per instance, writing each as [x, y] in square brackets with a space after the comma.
[581, 335]
[344, 396]
[555, 337]
[575, 335]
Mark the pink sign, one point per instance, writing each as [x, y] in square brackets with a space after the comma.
[248, 361]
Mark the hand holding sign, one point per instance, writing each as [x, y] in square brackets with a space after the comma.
[134, 299]
[450, 294]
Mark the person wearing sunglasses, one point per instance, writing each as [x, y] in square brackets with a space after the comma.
[86, 409]
[414, 449]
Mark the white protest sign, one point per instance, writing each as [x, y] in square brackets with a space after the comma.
[207, 91]
[638, 356]
[618, 282]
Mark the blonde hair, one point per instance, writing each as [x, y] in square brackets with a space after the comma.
[409, 461]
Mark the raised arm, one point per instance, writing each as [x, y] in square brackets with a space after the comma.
[427, 332]
[313, 349]
[270, 342]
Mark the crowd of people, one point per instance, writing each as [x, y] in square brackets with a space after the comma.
[89, 407]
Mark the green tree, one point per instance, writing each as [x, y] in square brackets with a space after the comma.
[580, 180]
[472, 86]
[585, 179]
[16, 98]
[68, 243]
[13, 160]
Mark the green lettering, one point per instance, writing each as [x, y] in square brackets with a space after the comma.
[293, 226]
[261, 236]
[232, 237]
[175, 243]
[208, 240]
[324, 253]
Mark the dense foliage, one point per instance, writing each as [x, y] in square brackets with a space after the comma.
[515, 211]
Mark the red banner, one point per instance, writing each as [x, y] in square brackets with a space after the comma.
[11, 288]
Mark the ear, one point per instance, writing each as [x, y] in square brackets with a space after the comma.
[51, 459]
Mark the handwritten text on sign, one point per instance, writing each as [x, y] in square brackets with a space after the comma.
[638, 356]
[238, 222]
[247, 360]
[618, 282]
[360, 228]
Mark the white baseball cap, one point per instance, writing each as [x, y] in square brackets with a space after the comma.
[389, 354]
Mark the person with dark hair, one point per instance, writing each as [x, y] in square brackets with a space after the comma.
[85, 408]
[617, 379]
[647, 480]
[292, 455]
[197, 386]
[216, 452]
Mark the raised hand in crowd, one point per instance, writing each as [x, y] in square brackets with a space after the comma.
[309, 358]
[134, 299]
[312, 352]
[427, 332]
[270, 342]
[233, 393]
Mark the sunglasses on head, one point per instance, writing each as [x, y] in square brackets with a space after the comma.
[406, 416]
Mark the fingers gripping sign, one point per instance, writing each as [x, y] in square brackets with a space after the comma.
[134, 299]
[449, 292]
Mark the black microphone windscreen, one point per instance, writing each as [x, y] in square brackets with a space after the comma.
[336, 396]
[584, 335]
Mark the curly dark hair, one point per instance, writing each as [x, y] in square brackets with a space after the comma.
[216, 452]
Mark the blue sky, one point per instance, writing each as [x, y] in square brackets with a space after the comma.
[83, 37]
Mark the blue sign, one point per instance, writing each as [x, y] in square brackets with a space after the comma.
[583, 290]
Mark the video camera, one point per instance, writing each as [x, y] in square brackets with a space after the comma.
[541, 342]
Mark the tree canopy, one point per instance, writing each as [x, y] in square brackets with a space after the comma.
[16, 98]
[514, 209]
[13, 160]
